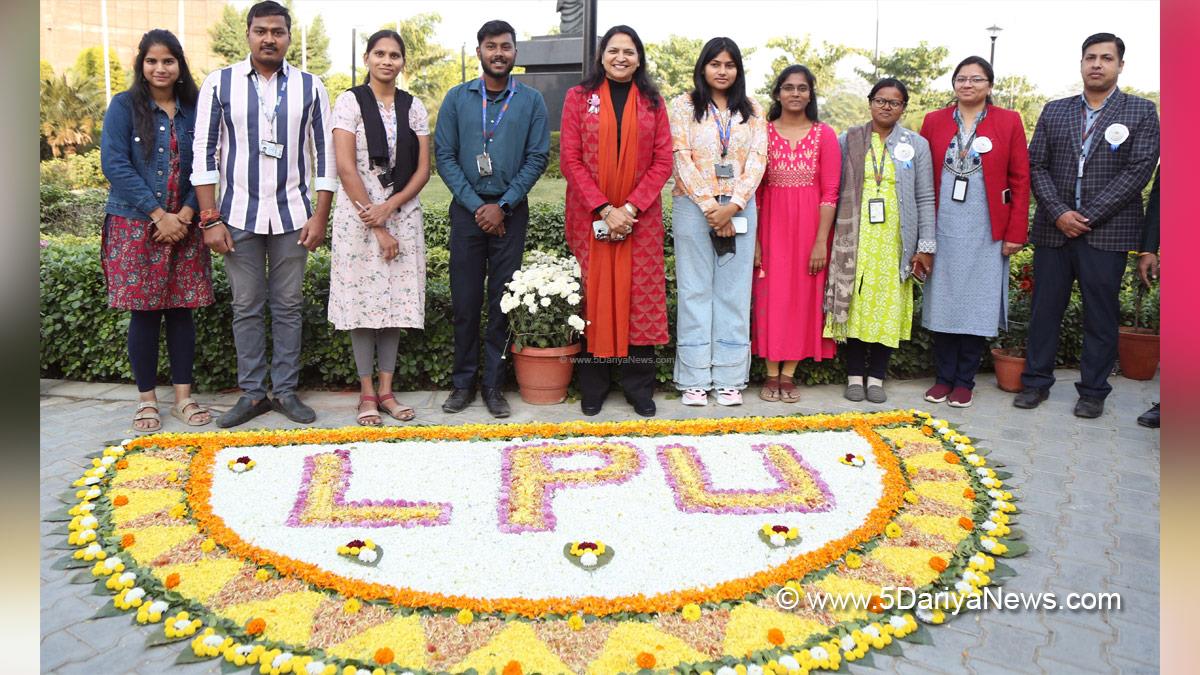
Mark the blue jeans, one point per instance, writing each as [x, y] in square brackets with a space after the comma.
[713, 321]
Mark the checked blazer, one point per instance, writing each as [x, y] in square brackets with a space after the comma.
[1111, 190]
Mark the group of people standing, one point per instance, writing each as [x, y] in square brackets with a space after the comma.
[790, 242]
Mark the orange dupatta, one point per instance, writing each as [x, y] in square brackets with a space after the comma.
[609, 276]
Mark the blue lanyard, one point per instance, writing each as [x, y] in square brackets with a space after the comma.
[278, 96]
[723, 132]
[488, 134]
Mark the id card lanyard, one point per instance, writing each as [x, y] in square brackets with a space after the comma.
[724, 169]
[876, 210]
[488, 134]
[1087, 133]
[959, 192]
[262, 106]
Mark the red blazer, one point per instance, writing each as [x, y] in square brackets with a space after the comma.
[1006, 166]
[579, 162]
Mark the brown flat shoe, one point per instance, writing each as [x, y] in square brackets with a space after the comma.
[787, 391]
[770, 389]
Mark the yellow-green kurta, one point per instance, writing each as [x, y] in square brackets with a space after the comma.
[881, 308]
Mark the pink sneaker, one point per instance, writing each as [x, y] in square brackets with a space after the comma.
[695, 397]
[959, 398]
[728, 396]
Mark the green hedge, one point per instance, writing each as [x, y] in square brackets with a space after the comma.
[84, 340]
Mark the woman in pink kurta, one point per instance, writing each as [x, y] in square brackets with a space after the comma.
[796, 202]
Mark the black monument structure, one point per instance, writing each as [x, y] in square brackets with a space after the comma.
[555, 63]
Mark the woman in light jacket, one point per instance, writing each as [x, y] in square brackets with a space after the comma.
[883, 238]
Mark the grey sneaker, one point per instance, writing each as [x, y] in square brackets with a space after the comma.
[875, 394]
[855, 392]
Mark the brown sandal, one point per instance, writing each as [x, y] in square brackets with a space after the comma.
[364, 416]
[770, 389]
[400, 411]
[787, 390]
[147, 410]
[179, 412]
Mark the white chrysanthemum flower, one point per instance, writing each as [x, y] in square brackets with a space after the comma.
[546, 302]
[818, 653]
[726, 670]
[963, 587]
[135, 593]
[88, 522]
[576, 322]
[754, 669]
[107, 459]
[778, 539]
[873, 631]
[573, 299]
[588, 559]
[158, 607]
[238, 467]
[127, 577]
[368, 555]
[86, 507]
[213, 641]
[111, 563]
[283, 658]
[787, 661]
[897, 622]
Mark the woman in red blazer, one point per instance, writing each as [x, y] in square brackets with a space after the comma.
[982, 188]
[616, 157]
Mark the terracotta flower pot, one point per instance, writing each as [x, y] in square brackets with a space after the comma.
[544, 373]
[1008, 369]
[1137, 351]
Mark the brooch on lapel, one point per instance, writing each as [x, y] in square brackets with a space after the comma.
[594, 104]
[1116, 134]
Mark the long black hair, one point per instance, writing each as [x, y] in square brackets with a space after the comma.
[139, 91]
[810, 110]
[701, 93]
[376, 37]
[983, 65]
[641, 77]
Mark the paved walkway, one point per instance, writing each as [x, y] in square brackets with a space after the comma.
[1088, 490]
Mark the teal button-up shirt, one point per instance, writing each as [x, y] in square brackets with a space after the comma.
[519, 149]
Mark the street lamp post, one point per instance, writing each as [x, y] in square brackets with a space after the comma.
[994, 31]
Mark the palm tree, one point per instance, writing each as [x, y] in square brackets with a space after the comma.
[72, 108]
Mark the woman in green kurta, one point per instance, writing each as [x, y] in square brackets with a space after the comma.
[884, 237]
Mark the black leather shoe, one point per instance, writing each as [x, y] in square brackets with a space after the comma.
[1089, 407]
[1149, 418]
[1030, 398]
[644, 408]
[294, 409]
[243, 411]
[496, 404]
[590, 408]
[458, 400]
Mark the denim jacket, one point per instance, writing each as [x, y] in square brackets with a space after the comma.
[138, 185]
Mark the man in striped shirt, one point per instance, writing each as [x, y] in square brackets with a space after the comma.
[263, 137]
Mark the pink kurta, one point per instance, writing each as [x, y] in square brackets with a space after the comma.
[787, 321]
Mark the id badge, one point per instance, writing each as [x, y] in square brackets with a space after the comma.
[724, 170]
[876, 212]
[483, 163]
[271, 149]
[960, 189]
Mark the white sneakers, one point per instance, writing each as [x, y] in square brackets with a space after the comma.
[725, 396]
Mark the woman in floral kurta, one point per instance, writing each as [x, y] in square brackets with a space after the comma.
[377, 274]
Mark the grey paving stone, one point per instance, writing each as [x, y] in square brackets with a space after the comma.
[1130, 667]
[998, 663]
[1053, 665]
[1137, 545]
[61, 647]
[1041, 500]
[1080, 647]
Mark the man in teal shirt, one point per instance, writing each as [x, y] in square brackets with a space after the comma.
[492, 143]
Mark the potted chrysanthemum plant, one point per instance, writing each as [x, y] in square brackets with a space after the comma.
[1009, 357]
[543, 304]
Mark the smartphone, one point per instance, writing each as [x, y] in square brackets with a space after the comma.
[919, 272]
[600, 228]
[740, 224]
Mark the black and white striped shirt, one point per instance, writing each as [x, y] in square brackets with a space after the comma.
[260, 193]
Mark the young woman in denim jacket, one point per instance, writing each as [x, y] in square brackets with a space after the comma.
[155, 262]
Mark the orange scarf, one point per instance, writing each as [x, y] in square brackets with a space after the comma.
[609, 272]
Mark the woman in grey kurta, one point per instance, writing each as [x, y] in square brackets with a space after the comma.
[983, 203]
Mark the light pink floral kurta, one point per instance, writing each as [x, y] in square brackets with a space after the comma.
[366, 291]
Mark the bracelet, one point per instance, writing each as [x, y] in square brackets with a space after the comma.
[212, 223]
[1146, 253]
[605, 211]
[632, 211]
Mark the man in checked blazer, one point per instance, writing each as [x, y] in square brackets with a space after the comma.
[1090, 157]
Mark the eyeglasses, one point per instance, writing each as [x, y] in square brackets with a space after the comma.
[886, 103]
[973, 80]
[794, 88]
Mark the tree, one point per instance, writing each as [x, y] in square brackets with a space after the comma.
[821, 61]
[1018, 93]
[317, 47]
[71, 108]
[336, 83]
[227, 37]
[90, 65]
[45, 71]
[917, 67]
[431, 69]
[845, 105]
[672, 63]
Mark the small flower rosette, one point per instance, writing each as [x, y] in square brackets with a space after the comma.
[593, 104]
[851, 459]
[361, 552]
[778, 536]
[588, 555]
[241, 464]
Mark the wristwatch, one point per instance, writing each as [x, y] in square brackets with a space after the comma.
[506, 208]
